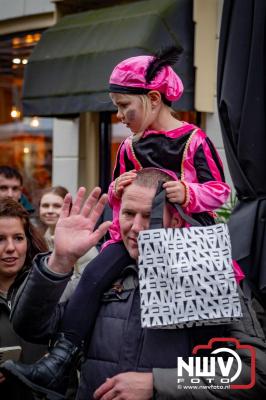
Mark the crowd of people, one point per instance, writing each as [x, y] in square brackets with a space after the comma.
[92, 322]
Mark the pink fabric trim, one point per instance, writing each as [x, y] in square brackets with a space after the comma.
[127, 146]
[120, 159]
[175, 133]
[214, 170]
[206, 196]
[239, 274]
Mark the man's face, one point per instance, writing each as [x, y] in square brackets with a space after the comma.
[135, 215]
[10, 187]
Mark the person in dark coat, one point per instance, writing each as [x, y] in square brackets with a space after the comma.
[19, 243]
[121, 359]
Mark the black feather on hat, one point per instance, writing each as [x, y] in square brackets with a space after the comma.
[166, 57]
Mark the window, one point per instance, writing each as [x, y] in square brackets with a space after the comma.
[25, 143]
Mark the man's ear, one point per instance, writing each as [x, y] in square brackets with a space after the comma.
[155, 97]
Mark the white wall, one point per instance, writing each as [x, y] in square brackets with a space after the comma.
[21, 8]
[66, 153]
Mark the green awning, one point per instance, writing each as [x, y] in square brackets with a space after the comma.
[69, 69]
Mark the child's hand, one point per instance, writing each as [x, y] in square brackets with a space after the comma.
[124, 180]
[175, 191]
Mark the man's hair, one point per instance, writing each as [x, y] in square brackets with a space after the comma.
[150, 177]
[10, 208]
[10, 172]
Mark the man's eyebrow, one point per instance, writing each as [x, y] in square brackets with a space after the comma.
[127, 209]
[10, 186]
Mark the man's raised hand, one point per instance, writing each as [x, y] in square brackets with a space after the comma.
[74, 234]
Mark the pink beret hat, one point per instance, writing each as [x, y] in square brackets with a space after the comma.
[129, 76]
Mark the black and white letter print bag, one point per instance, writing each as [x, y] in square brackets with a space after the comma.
[186, 275]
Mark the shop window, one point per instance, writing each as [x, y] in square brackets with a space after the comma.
[25, 143]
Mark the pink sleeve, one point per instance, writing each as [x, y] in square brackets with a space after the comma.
[203, 176]
[207, 196]
[119, 169]
[120, 166]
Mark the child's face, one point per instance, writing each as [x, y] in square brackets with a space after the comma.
[132, 111]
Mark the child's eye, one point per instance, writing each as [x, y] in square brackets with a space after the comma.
[123, 105]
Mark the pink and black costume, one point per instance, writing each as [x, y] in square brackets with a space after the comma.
[186, 151]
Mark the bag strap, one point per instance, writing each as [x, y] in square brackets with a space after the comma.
[187, 218]
[156, 219]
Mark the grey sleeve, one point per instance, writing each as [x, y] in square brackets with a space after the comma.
[165, 385]
[36, 311]
[166, 388]
[247, 331]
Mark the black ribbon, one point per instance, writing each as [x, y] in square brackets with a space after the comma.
[159, 201]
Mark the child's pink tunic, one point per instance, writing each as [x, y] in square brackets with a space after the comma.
[189, 153]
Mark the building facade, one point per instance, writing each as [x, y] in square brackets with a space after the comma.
[64, 137]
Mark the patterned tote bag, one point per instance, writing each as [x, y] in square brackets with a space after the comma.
[186, 275]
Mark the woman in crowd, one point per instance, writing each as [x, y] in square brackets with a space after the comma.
[19, 243]
[50, 206]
